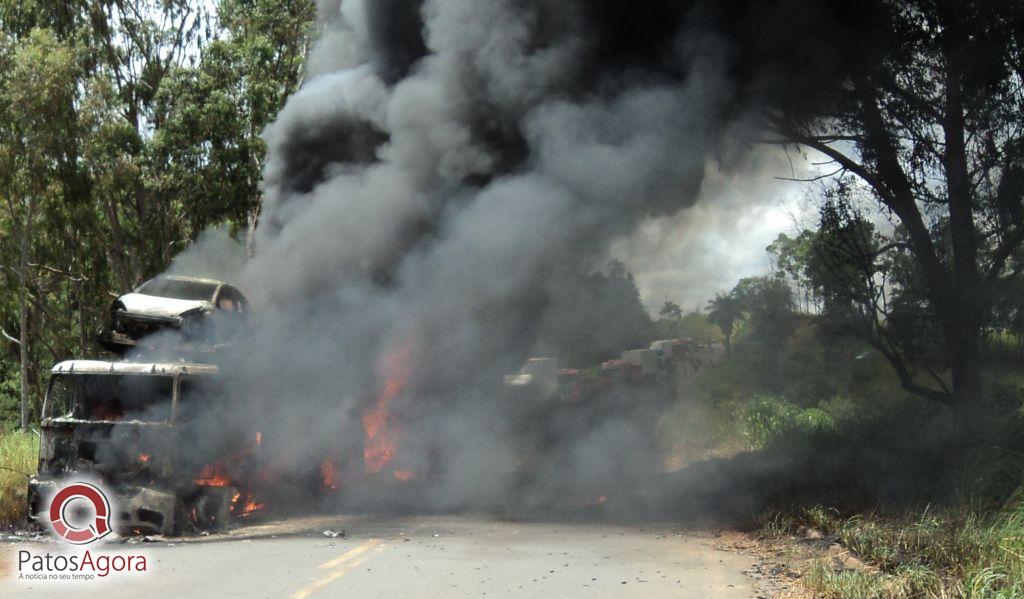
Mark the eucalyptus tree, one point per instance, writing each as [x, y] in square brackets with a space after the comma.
[930, 124]
[127, 127]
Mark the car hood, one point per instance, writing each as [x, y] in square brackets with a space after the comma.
[167, 307]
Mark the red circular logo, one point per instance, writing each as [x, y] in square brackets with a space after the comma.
[80, 531]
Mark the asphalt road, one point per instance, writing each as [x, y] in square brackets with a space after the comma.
[423, 557]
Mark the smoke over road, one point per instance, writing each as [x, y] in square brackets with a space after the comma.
[446, 171]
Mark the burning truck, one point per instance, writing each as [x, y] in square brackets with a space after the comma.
[136, 425]
[152, 428]
[126, 423]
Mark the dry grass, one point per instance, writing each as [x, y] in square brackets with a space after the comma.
[19, 454]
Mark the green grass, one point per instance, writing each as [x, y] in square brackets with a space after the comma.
[967, 543]
[19, 454]
[926, 553]
[856, 584]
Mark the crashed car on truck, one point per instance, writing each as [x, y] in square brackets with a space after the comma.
[128, 425]
[196, 311]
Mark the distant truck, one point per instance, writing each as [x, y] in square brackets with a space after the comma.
[644, 359]
[542, 374]
[125, 423]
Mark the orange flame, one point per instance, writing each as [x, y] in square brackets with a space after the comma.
[143, 457]
[215, 475]
[329, 474]
[211, 476]
[251, 506]
[404, 475]
[381, 441]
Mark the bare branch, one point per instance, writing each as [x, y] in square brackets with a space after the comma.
[1002, 254]
[8, 337]
[812, 179]
[66, 275]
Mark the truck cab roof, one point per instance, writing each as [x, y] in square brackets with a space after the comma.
[133, 368]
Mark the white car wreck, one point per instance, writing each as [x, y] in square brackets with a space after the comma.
[199, 311]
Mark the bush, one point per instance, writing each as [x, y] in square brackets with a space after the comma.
[769, 420]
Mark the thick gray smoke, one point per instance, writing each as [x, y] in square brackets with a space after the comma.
[447, 170]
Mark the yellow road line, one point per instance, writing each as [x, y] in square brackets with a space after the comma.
[345, 564]
[349, 554]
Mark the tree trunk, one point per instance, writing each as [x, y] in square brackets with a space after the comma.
[250, 232]
[954, 291]
[24, 357]
[963, 334]
[25, 354]
[124, 263]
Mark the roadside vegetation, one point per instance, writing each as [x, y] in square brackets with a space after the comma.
[874, 391]
[925, 553]
[19, 453]
[930, 503]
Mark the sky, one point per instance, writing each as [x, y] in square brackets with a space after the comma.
[705, 249]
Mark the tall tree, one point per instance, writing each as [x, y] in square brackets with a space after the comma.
[36, 96]
[214, 113]
[671, 311]
[867, 287]
[933, 129]
[768, 304]
[724, 312]
[592, 317]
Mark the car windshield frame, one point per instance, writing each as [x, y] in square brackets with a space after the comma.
[179, 289]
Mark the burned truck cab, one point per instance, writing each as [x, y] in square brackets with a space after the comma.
[120, 423]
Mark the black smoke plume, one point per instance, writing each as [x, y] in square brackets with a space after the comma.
[447, 167]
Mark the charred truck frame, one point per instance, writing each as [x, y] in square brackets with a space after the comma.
[124, 423]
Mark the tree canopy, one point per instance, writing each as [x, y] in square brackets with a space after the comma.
[126, 129]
